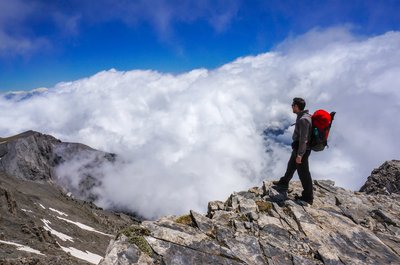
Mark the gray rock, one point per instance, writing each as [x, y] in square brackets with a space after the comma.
[214, 206]
[223, 217]
[384, 180]
[122, 252]
[247, 205]
[177, 254]
[203, 223]
[253, 216]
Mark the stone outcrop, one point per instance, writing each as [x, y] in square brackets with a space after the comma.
[384, 180]
[262, 226]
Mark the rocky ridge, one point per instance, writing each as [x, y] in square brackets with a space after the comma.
[41, 222]
[35, 156]
[263, 226]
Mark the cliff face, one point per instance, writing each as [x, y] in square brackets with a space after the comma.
[262, 226]
[40, 222]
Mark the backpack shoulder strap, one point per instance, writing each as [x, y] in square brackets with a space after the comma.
[307, 116]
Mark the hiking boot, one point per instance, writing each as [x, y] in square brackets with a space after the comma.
[281, 188]
[276, 185]
[301, 198]
[276, 182]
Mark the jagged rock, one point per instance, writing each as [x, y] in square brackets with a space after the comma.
[341, 227]
[384, 180]
[121, 252]
[253, 216]
[247, 205]
[203, 223]
[214, 206]
[223, 217]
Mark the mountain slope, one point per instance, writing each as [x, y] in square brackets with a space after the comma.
[40, 222]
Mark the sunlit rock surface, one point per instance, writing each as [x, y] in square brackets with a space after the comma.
[262, 226]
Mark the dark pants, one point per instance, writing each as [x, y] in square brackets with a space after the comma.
[302, 170]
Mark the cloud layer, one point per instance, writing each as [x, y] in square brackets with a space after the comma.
[190, 138]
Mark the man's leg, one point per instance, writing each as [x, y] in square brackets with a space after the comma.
[305, 177]
[291, 168]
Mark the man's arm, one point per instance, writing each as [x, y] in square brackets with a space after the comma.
[303, 138]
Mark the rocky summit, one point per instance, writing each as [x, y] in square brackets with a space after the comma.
[263, 226]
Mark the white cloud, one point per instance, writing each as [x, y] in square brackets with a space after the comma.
[191, 138]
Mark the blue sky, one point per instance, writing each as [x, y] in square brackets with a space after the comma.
[46, 42]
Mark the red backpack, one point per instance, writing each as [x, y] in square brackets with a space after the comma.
[321, 124]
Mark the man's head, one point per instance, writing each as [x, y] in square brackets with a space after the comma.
[298, 105]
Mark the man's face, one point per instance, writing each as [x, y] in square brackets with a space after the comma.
[295, 108]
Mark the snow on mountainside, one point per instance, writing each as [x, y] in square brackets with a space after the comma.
[41, 222]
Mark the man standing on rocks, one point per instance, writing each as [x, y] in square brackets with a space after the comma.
[300, 152]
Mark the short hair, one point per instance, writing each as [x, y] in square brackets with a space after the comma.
[301, 103]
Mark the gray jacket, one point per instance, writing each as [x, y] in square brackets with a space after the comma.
[302, 132]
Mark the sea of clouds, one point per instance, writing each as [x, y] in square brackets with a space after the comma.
[183, 140]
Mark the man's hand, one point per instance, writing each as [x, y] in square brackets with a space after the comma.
[298, 159]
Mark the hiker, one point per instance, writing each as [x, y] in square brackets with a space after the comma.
[300, 152]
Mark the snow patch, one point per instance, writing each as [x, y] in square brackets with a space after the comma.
[57, 211]
[42, 206]
[84, 227]
[22, 247]
[60, 235]
[88, 256]
[27, 211]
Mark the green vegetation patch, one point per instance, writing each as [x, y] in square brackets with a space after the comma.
[243, 218]
[185, 220]
[264, 206]
[136, 235]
